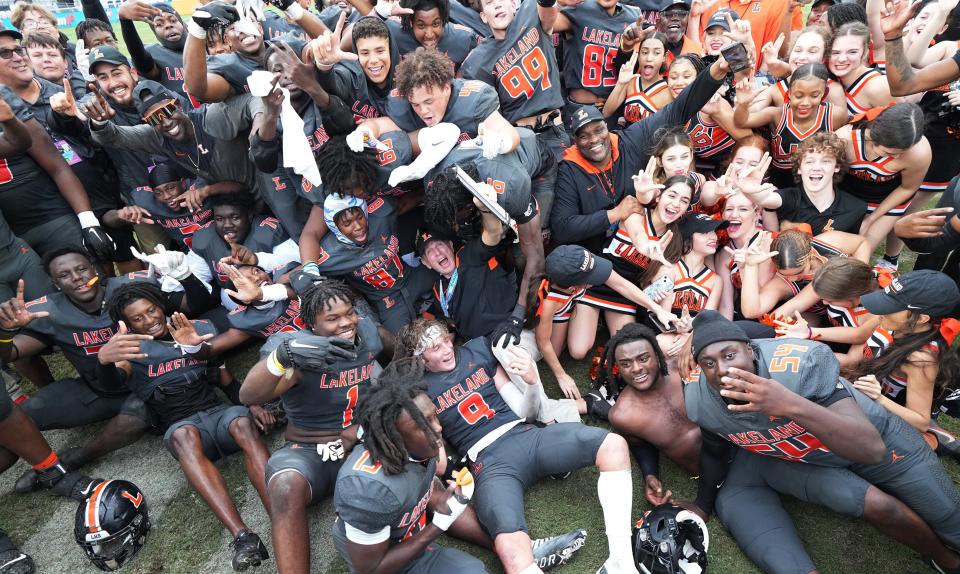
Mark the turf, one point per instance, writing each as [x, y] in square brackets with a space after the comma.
[187, 538]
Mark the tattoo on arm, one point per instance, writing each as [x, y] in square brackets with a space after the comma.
[897, 60]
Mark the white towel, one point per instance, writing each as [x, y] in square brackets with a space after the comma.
[297, 154]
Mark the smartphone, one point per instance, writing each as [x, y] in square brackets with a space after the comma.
[662, 285]
[736, 56]
[671, 328]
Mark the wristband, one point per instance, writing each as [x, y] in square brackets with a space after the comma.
[547, 3]
[295, 11]
[275, 292]
[196, 31]
[893, 39]
[274, 366]
[190, 349]
[88, 219]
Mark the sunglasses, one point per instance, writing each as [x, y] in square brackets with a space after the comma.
[674, 14]
[163, 112]
[7, 53]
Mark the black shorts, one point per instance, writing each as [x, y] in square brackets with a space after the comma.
[303, 459]
[20, 261]
[524, 455]
[214, 427]
[70, 403]
[607, 299]
[945, 163]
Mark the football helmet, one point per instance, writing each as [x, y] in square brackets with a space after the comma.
[112, 524]
[670, 540]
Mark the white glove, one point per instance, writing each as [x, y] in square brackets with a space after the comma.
[494, 144]
[170, 263]
[331, 451]
[358, 138]
[384, 9]
[405, 173]
[82, 56]
[435, 143]
[443, 521]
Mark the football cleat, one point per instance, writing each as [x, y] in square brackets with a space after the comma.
[248, 550]
[12, 561]
[28, 482]
[556, 550]
[947, 444]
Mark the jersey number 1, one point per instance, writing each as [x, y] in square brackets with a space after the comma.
[352, 396]
[520, 79]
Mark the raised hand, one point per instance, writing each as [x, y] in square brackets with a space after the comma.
[214, 15]
[634, 35]
[771, 50]
[14, 314]
[745, 91]
[740, 31]
[685, 325]
[135, 214]
[81, 56]
[388, 8]
[64, 103]
[894, 17]
[358, 138]
[123, 346]
[326, 49]
[184, 333]
[654, 249]
[171, 263]
[698, 7]
[299, 73]
[314, 351]
[194, 197]
[644, 186]
[138, 10]
[97, 108]
[757, 252]
[239, 255]
[628, 69]
[244, 289]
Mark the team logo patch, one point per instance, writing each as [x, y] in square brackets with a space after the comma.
[894, 287]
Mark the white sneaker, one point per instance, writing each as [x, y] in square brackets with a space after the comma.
[884, 264]
[11, 380]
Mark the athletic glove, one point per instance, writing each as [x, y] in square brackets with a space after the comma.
[170, 263]
[211, 16]
[95, 238]
[305, 278]
[358, 138]
[457, 503]
[312, 351]
[493, 144]
[82, 57]
[290, 7]
[331, 451]
[508, 332]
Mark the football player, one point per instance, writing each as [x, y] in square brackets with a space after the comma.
[152, 357]
[329, 366]
[482, 413]
[783, 403]
[162, 61]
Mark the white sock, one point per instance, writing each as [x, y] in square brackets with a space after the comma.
[615, 491]
[531, 569]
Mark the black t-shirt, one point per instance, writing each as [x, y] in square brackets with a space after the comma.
[845, 214]
[485, 292]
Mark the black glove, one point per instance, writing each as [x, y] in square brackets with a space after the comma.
[305, 278]
[99, 243]
[215, 15]
[508, 332]
[314, 351]
[67, 484]
[281, 4]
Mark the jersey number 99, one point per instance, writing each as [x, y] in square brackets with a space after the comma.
[520, 79]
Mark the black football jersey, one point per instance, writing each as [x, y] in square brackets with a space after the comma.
[592, 43]
[456, 43]
[170, 64]
[261, 322]
[522, 67]
[265, 234]
[468, 403]
[79, 334]
[179, 224]
[324, 400]
[471, 102]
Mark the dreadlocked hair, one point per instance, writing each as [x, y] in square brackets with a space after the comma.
[394, 393]
[342, 169]
[627, 334]
[321, 295]
[129, 293]
[445, 196]
[408, 338]
[901, 350]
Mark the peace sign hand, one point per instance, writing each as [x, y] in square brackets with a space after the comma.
[654, 249]
[97, 108]
[326, 49]
[628, 69]
[771, 50]
[14, 314]
[244, 289]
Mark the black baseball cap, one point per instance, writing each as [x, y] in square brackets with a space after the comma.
[925, 291]
[425, 236]
[583, 116]
[830, 2]
[12, 33]
[146, 96]
[570, 265]
[685, 4]
[108, 54]
[719, 18]
[700, 223]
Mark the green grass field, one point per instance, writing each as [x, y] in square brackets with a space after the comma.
[186, 537]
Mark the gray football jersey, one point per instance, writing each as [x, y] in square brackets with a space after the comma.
[369, 499]
[456, 43]
[470, 103]
[592, 44]
[170, 64]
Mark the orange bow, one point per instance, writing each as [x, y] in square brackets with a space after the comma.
[884, 277]
[542, 290]
[949, 329]
[870, 114]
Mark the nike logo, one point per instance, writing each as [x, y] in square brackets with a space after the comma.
[300, 345]
[914, 307]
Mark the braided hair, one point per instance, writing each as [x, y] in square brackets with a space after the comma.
[342, 169]
[379, 410]
[445, 197]
[628, 334]
[129, 293]
[321, 295]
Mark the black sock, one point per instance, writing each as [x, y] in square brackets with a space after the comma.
[892, 258]
[233, 391]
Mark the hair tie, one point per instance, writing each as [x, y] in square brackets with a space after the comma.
[883, 276]
[870, 114]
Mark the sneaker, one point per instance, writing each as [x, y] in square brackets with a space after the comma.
[947, 444]
[248, 550]
[883, 263]
[12, 380]
[28, 482]
[556, 550]
[70, 485]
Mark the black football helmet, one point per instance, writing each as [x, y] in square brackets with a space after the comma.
[112, 524]
[670, 540]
